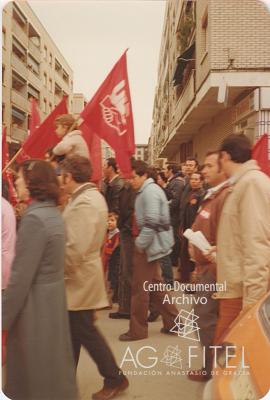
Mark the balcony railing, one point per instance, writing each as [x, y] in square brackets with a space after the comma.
[19, 100]
[186, 98]
[34, 79]
[19, 32]
[34, 50]
[19, 66]
[18, 133]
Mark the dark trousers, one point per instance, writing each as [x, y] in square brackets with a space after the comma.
[147, 271]
[166, 269]
[208, 314]
[125, 274]
[175, 254]
[84, 333]
[187, 266]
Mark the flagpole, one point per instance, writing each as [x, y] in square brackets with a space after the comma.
[12, 160]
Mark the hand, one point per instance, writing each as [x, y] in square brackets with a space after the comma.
[210, 254]
[141, 251]
[191, 251]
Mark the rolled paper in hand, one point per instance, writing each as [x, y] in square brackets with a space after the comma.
[199, 240]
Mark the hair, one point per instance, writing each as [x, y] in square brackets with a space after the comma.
[41, 180]
[79, 167]
[173, 167]
[211, 153]
[238, 147]
[152, 173]
[198, 173]
[66, 120]
[111, 162]
[140, 167]
[162, 176]
[193, 159]
[113, 215]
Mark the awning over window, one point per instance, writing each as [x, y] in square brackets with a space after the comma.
[33, 92]
[182, 61]
[18, 114]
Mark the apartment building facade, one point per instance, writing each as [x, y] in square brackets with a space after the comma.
[32, 66]
[213, 77]
[141, 152]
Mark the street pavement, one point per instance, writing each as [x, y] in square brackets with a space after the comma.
[156, 382]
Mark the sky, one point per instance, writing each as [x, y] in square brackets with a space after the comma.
[92, 35]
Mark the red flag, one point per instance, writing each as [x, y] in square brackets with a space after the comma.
[34, 118]
[109, 114]
[7, 175]
[44, 136]
[94, 145]
[260, 153]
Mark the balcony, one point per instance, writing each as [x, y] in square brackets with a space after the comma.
[186, 98]
[19, 66]
[34, 50]
[20, 34]
[19, 100]
[18, 133]
[34, 79]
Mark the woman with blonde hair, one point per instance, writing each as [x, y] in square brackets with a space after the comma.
[72, 142]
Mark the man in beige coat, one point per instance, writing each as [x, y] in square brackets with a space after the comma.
[243, 239]
[86, 221]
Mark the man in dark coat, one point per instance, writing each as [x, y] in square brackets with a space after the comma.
[112, 185]
[173, 190]
[126, 207]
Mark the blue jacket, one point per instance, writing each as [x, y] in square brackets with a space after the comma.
[153, 220]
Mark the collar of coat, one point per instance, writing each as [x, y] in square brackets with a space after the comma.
[245, 167]
[38, 204]
[146, 183]
[73, 133]
[81, 189]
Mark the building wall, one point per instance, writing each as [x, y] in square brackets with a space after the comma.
[232, 57]
[211, 135]
[203, 43]
[32, 70]
[240, 30]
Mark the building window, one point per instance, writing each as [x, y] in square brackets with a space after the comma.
[44, 105]
[3, 75]
[58, 66]
[33, 65]
[3, 37]
[33, 92]
[45, 79]
[50, 85]
[50, 59]
[50, 107]
[18, 50]
[45, 53]
[204, 37]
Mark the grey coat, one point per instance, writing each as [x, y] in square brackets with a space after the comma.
[39, 363]
[153, 220]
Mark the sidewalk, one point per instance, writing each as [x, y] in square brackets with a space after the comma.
[156, 383]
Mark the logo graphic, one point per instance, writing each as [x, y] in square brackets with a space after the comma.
[115, 108]
[186, 325]
[172, 357]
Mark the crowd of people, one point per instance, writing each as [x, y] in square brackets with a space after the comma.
[82, 248]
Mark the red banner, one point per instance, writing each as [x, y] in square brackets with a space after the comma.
[44, 136]
[260, 153]
[109, 114]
